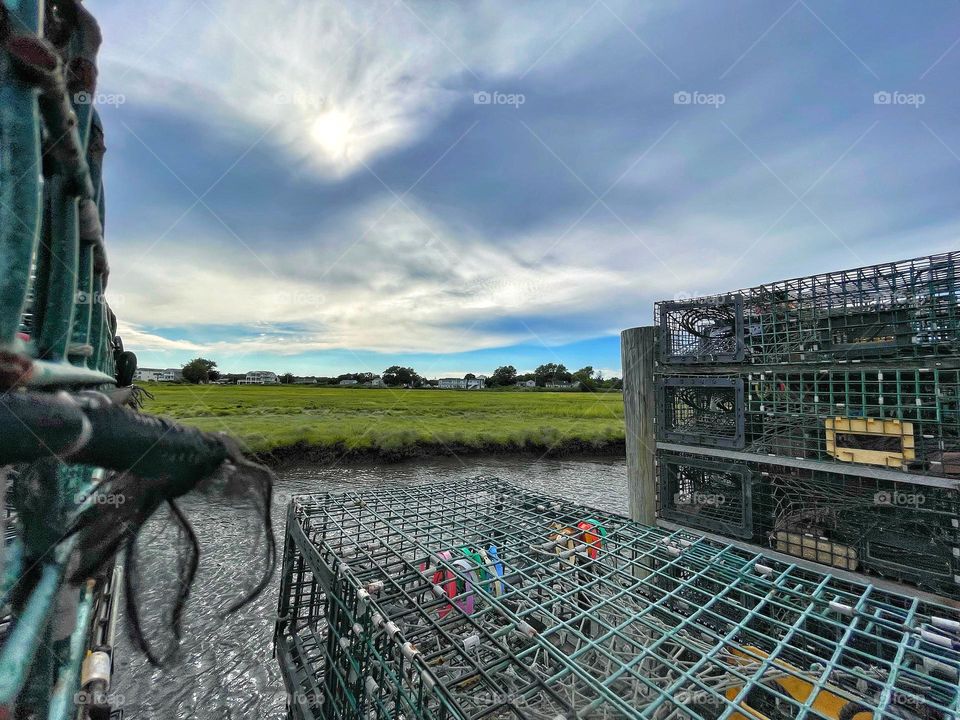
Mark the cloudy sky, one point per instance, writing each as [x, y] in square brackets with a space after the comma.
[322, 187]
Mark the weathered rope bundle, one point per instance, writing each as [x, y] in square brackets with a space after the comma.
[153, 461]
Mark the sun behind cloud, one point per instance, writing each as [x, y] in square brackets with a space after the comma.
[331, 132]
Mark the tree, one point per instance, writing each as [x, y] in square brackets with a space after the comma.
[286, 379]
[584, 373]
[551, 372]
[469, 376]
[504, 375]
[395, 376]
[198, 370]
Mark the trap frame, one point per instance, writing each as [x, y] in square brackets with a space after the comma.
[478, 599]
[900, 418]
[891, 311]
[701, 410]
[902, 531]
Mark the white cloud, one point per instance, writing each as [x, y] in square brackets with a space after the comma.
[409, 284]
[134, 337]
[335, 82]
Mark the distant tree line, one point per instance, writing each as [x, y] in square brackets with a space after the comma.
[552, 373]
[202, 370]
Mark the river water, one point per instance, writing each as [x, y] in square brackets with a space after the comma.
[226, 669]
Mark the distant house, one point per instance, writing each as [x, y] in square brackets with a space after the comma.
[562, 385]
[309, 380]
[462, 383]
[348, 381]
[376, 382]
[527, 383]
[158, 375]
[259, 377]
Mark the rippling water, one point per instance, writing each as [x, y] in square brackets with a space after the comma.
[226, 668]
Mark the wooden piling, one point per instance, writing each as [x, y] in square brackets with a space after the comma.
[637, 352]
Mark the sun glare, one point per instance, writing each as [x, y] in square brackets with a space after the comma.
[331, 131]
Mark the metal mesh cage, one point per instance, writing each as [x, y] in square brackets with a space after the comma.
[478, 599]
[902, 531]
[898, 418]
[706, 494]
[705, 330]
[906, 309]
[903, 418]
[701, 411]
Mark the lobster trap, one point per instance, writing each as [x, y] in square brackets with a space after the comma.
[897, 418]
[705, 494]
[479, 599]
[892, 311]
[704, 330]
[902, 531]
[701, 411]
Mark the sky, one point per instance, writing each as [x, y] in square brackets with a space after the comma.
[325, 187]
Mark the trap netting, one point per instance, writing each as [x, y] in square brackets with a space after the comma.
[902, 531]
[899, 310]
[898, 418]
[479, 599]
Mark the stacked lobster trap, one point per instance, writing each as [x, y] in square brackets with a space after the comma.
[477, 599]
[820, 417]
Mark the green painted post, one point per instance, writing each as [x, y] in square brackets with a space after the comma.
[62, 248]
[20, 185]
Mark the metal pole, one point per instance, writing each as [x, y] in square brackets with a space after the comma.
[637, 351]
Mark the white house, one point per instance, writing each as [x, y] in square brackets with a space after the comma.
[148, 374]
[527, 383]
[157, 375]
[348, 381]
[462, 383]
[259, 377]
[376, 382]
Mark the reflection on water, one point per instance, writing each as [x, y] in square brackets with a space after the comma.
[226, 668]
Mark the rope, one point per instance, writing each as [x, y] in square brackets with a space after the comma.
[153, 461]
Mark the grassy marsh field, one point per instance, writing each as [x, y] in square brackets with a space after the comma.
[294, 422]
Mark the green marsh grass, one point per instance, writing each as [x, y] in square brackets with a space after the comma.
[266, 418]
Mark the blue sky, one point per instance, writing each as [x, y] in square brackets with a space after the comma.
[319, 187]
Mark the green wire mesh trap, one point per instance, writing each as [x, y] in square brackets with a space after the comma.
[899, 310]
[892, 417]
[901, 531]
[479, 599]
